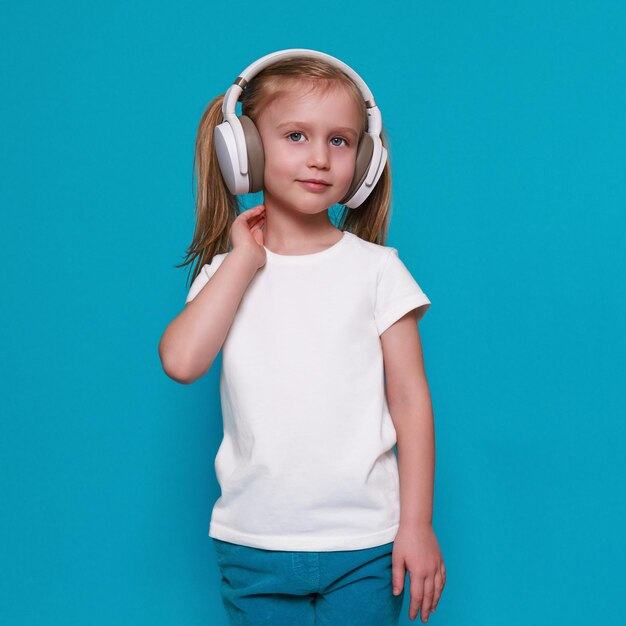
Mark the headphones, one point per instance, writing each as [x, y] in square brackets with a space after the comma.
[240, 151]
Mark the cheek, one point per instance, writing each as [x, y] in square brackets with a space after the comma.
[347, 166]
[277, 161]
[278, 170]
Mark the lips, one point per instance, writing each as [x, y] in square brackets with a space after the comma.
[315, 185]
[315, 180]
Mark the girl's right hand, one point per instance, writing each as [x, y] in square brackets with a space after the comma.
[246, 233]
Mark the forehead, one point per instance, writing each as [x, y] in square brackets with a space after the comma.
[331, 107]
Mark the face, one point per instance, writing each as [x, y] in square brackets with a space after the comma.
[311, 135]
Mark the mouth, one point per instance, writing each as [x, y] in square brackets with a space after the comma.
[314, 184]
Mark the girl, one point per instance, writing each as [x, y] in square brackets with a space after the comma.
[318, 520]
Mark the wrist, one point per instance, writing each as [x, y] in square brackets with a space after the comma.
[416, 523]
[248, 256]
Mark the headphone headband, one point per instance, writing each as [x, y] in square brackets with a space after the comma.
[374, 121]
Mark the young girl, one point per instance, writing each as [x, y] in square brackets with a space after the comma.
[322, 368]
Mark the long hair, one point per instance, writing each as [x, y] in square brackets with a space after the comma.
[216, 208]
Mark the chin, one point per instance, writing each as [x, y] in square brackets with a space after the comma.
[304, 203]
[314, 205]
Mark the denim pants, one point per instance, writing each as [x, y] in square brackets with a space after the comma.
[282, 588]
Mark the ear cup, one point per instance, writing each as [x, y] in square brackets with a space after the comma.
[256, 154]
[364, 153]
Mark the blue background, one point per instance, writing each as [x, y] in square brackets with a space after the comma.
[507, 129]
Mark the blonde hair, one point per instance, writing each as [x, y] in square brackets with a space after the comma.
[216, 208]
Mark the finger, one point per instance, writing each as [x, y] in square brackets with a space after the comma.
[397, 575]
[257, 225]
[255, 218]
[427, 601]
[417, 594]
[253, 212]
[438, 589]
[256, 222]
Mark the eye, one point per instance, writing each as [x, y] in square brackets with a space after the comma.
[292, 134]
[342, 139]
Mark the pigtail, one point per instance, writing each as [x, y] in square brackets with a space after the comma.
[215, 207]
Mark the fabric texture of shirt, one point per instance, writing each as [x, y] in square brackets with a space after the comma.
[307, 461]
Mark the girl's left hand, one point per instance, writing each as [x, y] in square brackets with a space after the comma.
[416, 549]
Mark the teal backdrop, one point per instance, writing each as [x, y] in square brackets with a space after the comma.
[508, 146]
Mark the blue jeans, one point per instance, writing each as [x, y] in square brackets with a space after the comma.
[282, 588]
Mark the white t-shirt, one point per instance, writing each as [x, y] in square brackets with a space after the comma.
[307, 460]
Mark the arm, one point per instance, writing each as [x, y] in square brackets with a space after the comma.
[195, 336]
[415, 548]
[408, 397]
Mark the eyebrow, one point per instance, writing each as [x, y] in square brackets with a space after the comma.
[340, 129]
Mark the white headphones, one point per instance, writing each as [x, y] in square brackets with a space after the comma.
[240, 151]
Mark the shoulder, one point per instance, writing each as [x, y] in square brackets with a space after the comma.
[373, 254]
[209, 268]
[204, 275]
[218, 258]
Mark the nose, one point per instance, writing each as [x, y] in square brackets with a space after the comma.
[318, 155]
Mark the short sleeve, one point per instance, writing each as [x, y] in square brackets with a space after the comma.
[397, 293]
[208, 269]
